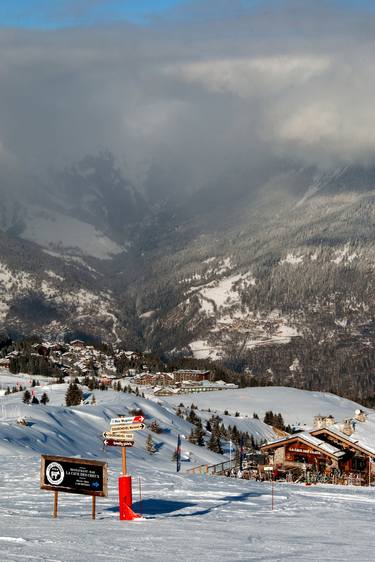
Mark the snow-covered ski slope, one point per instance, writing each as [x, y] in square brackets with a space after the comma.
[188, 518]
[77, 431]
[298, 407]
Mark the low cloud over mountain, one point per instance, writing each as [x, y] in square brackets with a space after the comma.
[180, 101]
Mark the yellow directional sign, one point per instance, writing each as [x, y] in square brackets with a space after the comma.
[122, 435]
[135, 426]
[120, 428]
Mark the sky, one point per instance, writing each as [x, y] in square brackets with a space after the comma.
[181, 92]
[61, 13]
[49, 14]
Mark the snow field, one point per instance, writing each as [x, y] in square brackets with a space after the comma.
[298, 407]
[77, 431]
[187, 519]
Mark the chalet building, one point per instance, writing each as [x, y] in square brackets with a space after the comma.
[42, 349]
[204, 386]
[165, 391]
[192, 375]
[77, 343]
[153, 379]
[346, 449]
[4, 363]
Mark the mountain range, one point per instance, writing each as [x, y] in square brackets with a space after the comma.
[270, 271]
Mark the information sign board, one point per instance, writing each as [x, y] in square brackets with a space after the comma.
[77, 476]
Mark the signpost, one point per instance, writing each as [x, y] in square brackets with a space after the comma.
[75, 476]
[120, 436]
[122, 420]
[118, 443]
[115, 435]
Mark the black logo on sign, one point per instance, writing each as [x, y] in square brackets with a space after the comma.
[55, 473]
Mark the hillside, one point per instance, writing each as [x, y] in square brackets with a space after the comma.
[276, 282]
[298, 407]
[57, 428]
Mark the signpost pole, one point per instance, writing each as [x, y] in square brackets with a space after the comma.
[55, 504]
[273, 493]
[123, 461]
[93, 507]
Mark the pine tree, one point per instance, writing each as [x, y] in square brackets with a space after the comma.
[279, 422]
[73, 396]
[192, 438]
[199, 434]
[269, 418]
[192, 417]
[150, 445]
[155, 427]
[44, 399]
[26, 397]
[214, 443]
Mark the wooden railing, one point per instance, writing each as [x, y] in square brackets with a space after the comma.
[213, 469]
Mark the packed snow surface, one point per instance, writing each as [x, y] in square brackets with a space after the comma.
[60, 429]
[186, 518]
[298, 407]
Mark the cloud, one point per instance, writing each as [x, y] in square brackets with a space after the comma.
[182, 103]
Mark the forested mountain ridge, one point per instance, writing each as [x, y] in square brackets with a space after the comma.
[272, 275]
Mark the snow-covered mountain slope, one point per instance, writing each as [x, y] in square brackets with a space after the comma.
[56, 429]
[64, 234]
[48, 293]
[187, 518]
[276, 279]
[59, 430]
[298, 407]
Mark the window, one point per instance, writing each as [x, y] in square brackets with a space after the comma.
[358, 463]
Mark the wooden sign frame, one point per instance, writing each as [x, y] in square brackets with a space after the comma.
[73, 461]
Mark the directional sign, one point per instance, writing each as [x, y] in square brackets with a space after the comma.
[117, 443]
[120, 428]
[124, 420]
[135, 426]
[112, 435]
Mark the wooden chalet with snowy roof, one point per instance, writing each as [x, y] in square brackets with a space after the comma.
[346, 449]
